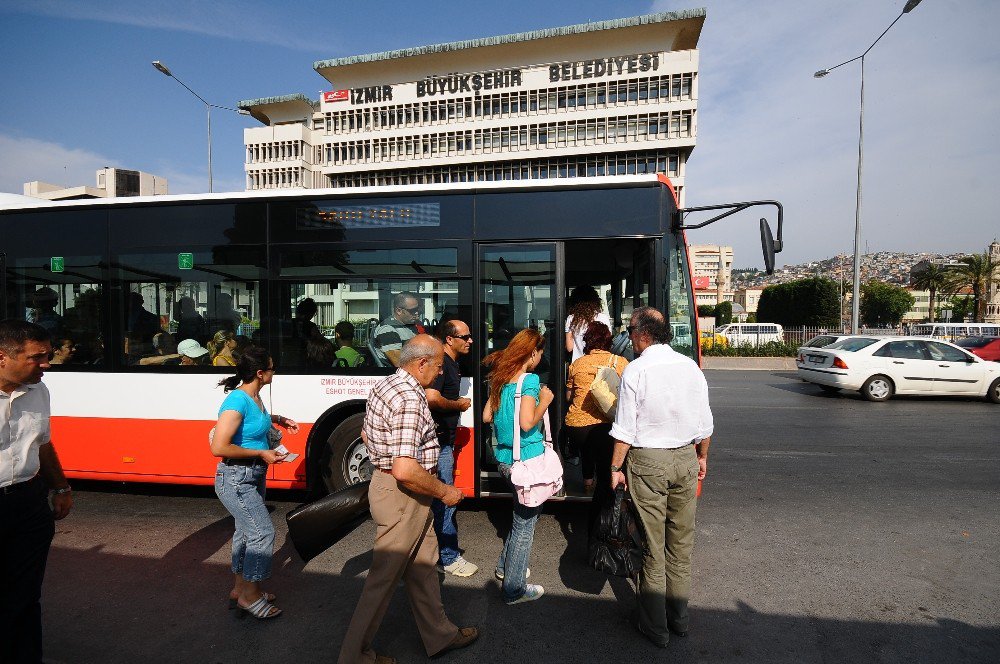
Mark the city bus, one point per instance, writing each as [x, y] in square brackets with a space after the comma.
[954, 331]
[120, 282]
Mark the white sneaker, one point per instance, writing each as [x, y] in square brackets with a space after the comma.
[531, 593]
[499, 575]
[461, 567]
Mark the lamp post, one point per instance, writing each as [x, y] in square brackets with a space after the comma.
[162, 68]
[856, 295]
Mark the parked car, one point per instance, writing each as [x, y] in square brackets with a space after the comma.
[712, 340]
[751, 334]
[987, 348]
[880, 367]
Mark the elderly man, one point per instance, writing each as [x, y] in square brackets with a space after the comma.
[402, 443]
[29, 469]
[663, 427]
[397, 329]
[446, 405]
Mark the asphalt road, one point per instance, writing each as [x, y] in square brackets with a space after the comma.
[830, 529]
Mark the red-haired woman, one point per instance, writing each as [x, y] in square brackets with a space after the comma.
[521, 356]
[587, 426]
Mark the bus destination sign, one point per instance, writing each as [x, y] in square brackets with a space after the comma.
[389, 215]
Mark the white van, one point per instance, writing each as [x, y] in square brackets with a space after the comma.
[751, 334]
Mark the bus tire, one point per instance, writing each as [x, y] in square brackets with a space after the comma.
[343, 459]
[993, 394]
[878, 388]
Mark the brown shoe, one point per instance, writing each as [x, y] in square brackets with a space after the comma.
[466, 636]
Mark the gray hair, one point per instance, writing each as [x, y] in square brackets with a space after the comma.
[422, 346]
[650, 321]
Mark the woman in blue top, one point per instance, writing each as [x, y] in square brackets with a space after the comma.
[521, 356]
[241, 440]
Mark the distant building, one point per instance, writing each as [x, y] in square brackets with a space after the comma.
[605, 98]
[111, 183]
[993, 302]
[921, 310]
[712, 267]
[748, 299]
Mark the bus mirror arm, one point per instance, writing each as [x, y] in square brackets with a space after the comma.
[771, 245]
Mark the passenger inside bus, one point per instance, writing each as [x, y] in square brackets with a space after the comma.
[190, 324]
[346, 355]
[62, 350]
[192, 353]
[320, 353]
[43, 305]
[226, 317]
[165, 351]
[394, 331]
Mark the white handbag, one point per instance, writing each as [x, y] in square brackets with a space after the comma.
[604, 389]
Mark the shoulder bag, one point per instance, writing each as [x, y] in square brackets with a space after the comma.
[604, 389]
[541, 477]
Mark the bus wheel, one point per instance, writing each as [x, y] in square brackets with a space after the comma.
[344, 460]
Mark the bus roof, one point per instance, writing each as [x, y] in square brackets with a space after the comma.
[604, 182]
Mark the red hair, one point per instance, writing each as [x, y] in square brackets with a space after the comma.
[505, 365]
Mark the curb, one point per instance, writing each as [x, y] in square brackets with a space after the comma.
[749, 363]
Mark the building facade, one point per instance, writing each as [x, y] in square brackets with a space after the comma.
[608, 98]
[712, 267]
[993, 303]
[748, 299]
[110, 183]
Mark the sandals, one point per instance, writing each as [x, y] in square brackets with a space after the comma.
[270, 597]
[261, 609]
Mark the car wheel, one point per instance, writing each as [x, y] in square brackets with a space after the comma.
[878, 388]
[829, 389]
[993, 394]
[344, 459]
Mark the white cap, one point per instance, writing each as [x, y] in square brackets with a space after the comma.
[191, 348]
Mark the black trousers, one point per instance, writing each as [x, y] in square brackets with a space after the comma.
[26, 531]
[596, 448]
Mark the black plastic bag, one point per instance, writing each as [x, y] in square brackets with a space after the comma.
[315, 527]
[617, 544]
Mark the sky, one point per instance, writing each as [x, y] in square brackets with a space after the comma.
[80, 93]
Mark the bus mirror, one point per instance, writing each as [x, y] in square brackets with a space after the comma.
[767, 245]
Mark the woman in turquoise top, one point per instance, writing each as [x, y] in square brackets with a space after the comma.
[241, 440]
[521, 356]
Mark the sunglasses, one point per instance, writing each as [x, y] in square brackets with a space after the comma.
[463, 337]
[413, 312]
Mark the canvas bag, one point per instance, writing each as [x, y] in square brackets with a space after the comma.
[604, 388]
[539, 478]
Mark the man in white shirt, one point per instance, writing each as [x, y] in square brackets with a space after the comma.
[29, 468]
[664, 427]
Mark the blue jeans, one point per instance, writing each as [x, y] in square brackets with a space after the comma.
[241, 490]
[444, 517]
[513, 562]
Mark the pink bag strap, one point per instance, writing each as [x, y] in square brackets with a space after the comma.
[517, 420]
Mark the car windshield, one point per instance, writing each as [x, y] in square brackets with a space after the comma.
[973, 342]
[820, 341]
[853, 344]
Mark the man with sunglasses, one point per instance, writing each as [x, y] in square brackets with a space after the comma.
[29, 469]
[446, 405]
[397, 329]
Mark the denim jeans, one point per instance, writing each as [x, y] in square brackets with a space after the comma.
[445, 526]
[513, 562]
[241, 490]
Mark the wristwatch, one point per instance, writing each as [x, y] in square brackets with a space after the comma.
[65, 489]
[616, 469]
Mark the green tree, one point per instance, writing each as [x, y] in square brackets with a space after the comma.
[883, 305]
[706, 310]
[962, 307]
[976, 272]
[932, 279]
[812, 301]
[723, 313]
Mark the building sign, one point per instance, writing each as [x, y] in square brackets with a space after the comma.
[456, 83]
[336, 95]
[615, 66]
[702, 283]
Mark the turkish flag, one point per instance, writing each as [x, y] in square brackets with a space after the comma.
[336, 95]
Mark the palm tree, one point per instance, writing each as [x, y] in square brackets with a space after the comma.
[932, 279]
[977, 272]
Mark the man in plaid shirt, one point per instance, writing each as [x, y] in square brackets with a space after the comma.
[402, 443]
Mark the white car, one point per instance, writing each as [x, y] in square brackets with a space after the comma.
[880, 367]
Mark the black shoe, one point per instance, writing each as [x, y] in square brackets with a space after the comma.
[638, 625]
[677, 632]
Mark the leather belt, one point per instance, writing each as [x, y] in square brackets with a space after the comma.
[20, 486]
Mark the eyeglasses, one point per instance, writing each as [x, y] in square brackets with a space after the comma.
[463, 337]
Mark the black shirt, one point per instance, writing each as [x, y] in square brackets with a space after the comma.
[449, 384]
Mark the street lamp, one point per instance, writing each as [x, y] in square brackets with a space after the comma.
[856, 295]
[162, 68]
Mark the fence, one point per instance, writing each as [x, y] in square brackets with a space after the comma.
[799, 335]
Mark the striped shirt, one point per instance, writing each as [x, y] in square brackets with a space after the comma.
[398, 423]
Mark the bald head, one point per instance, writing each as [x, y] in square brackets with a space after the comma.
[422, 357]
